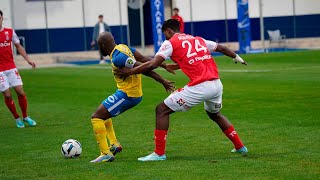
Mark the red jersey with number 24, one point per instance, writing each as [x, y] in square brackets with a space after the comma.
[193, 56]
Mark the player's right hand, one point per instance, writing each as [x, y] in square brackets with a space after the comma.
[172, 67]
[31, 63]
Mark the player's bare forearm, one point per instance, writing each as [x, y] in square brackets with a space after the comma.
[226, 51]
[24, 54]
[154, 76]
[141, 58]
[148, 66]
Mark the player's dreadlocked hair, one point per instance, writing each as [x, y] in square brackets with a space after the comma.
[1, 13]
[172, 24]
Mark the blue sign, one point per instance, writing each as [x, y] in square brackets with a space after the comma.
[244, 34]
[157, 16]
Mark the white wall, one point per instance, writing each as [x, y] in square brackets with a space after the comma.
[304, 7]
[64, 14]
[6, 10]
[67, 14]
[109, 9]
[204, 10]
[28, 15]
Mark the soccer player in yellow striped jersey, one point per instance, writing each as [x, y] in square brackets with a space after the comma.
[128, 95]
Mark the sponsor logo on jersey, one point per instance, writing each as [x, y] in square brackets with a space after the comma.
[202, 58]
[130, 61]
[5, 44]
[7, 35]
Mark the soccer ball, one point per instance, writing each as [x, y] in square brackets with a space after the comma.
[71, 148]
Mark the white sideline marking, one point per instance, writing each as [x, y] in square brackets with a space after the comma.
[220, 70]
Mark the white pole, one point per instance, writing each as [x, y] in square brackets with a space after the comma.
[226, 20]
[128, 28]
[294, 18]
[47, 29]
[84, 26]
[261, 25]
[120, 16]
[191, 17]
[142, 27]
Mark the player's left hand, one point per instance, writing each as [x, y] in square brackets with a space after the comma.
[122, 72]
[169, 85]
[31, 63]
[240, 60]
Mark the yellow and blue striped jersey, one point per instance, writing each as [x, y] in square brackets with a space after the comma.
[122, 56]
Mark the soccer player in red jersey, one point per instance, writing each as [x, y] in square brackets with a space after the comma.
[179, 18]
[191, 55]
[9, 75]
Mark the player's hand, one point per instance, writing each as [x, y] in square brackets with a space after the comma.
[240, 60]
[171, 68]
[93, 43]
[122, 72]
[169, 85]
[31, 63]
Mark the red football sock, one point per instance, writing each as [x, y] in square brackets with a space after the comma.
[23, 105]
[11, 107]
[233, 136]
[160, 137]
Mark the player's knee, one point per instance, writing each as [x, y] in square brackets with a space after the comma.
[7, 96]
[21, 93]
[160, 111]
[214, 116]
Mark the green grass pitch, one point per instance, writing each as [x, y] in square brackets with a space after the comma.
[274, 106]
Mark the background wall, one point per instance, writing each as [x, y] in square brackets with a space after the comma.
[294, 18]
[69, 23]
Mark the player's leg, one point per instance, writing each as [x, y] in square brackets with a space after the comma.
[23, 103]
[212, 107]
[181, 100]
[15, 81]
[12, 107]
[228, 129]
[100, 132]
[4, 88]
[102, 123]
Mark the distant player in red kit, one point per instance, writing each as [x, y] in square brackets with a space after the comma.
[178, 18]
[9, 75]
[191, 55]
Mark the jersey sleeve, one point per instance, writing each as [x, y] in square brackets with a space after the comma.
[212, 46]
[15, 38]
[133, 50]
[165, 50]
[123, 61]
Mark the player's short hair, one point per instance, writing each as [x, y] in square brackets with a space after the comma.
[1, 13]
[172, 24]
[176, 9]
[100, 16]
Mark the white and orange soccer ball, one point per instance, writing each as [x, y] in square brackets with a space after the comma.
[71, 148]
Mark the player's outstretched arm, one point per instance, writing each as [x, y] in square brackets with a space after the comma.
[141, 58]
[23, 53]
[167, 84]
[148, 66]
[228, 52]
